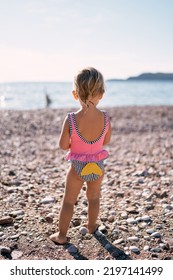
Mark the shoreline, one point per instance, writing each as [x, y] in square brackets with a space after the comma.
[70, 109]
[137, 191]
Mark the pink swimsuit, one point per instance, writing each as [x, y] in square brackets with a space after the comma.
[87, 156]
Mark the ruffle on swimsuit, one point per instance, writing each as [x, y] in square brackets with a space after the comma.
[88, 157]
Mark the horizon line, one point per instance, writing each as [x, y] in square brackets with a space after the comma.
[67, 81]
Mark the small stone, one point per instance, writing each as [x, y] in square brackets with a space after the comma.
[132, 210]
[124, 215]
[150, 230]
[154, 255]
[48, 199]
[145, 218]
[18, 218]
[83, 230]
[156, 234]
[16, 254]
[115, 233]
[102, 228]
[156, 250]
[134, 249]
[138, 219]
[49, 218]
[25, 233]
[111, 219]
[118, 241]
[146, 237]
[6, 220]
[140, 181]
[143, 225]
[146, 248]
[84, 212]
[5, 250]
[120, 194]
[167, 207]
[11, 173]
[131, 221]
[76, 222]
[16, 236]
[159, 226]
[123, 228]
[17, 213]
[133, 238]
[72, 249]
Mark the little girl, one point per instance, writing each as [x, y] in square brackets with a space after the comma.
[84, 133]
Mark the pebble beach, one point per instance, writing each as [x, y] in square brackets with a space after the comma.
[136, 206]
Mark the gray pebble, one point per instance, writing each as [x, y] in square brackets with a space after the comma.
[48, 199]
[16, 236]
[133, 238]
[124, 215]
[4, 249]
[134, 249]
[72, 249]
[17, 213]
[146, 248]
[150, 230]
[83, 230]
[118, 241]
[131, 221]
[145, 218]
[156, 250]
[156, 234]
[102, 228]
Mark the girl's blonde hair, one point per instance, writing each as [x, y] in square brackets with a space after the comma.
[89, 83]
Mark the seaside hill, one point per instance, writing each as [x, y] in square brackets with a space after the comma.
[153, 76]
[147, 77]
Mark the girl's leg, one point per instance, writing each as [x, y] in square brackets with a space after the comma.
[72, 189]
[93, 195]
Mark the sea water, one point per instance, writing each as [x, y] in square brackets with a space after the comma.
[28, 96]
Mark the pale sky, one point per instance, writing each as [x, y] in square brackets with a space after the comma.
[50, 40]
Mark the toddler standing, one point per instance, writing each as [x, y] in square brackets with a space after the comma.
[84, 133]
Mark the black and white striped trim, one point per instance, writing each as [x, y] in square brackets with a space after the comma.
[78, 133]
[70, 123]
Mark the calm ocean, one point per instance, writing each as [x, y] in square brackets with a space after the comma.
[26, 96]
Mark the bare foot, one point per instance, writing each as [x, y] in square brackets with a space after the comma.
[91, 229]
[57, 238]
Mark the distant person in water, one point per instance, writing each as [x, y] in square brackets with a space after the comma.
[84, 133]
[48, 99]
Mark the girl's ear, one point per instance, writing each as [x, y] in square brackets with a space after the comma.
[100, 96]
[75, 95]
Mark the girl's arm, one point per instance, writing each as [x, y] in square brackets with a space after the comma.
[64, 139]
[108, 135]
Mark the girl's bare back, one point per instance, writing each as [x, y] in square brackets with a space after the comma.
[91, 124]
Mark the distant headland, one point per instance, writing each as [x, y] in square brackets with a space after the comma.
[148, 77]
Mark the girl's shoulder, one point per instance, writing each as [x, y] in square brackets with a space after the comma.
[106, 115]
